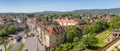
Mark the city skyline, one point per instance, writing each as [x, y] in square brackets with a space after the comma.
[28, 6]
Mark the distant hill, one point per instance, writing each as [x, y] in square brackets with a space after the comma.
[112, 10]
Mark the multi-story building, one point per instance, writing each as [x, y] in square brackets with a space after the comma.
[31, 23]
[50, 35]
[66, 21]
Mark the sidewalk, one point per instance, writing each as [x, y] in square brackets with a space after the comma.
[110, 48]
[2, 47]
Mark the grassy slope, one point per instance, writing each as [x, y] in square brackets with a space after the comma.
[101, 43]
[101, 38]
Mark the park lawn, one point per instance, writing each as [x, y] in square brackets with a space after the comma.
[21, 47]
[101, 38]
[10, 47]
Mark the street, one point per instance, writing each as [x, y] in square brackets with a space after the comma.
[31, 44]
[40, 47]
[16, 46]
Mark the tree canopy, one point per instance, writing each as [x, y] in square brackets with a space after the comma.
[26, 31]
[71, 33]
[115, 22]
[12, 29]
[7, 30]
[25, 17]
[90, 40]
[96, 28]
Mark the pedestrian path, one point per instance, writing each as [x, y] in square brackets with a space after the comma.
[2, 47]
[16, 46]
[110, 48]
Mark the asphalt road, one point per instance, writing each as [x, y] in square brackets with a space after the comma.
[16, 46]
[40, 47]
[31, 44]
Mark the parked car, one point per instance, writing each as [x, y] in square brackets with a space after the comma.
[32, 35]
[18, 38]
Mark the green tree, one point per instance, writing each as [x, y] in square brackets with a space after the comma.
[12, 29]
[5, 31]
[76, 39]
[90, 40]
[71, 33]
[115, 22]
[64, 47]
[78, 47]
[10, 20]
[58, 49]
[99, 27]
[25, 17]
[26, 31]
[87, 21]
[86, 30]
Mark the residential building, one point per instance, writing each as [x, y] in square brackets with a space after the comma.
[50, 35]
[66, 21]
[31, 23]
[21, 26]
[107, 19]
[1, 25]
[114, 34]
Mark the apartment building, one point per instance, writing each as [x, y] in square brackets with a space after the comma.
[31, 23]
[51, 35]
[66, 21]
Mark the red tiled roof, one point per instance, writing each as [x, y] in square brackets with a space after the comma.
[106, 18]
[55, 30]
[66, 20]
[31, 20]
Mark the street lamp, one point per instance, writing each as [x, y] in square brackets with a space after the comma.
[5, 45]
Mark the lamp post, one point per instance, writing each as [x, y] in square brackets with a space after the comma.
[5, 45]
